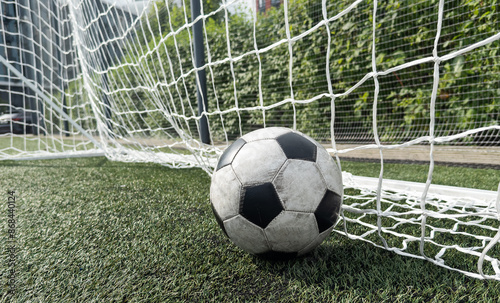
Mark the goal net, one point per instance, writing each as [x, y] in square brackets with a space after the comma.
[175, 82]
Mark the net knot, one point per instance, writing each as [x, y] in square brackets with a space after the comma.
[437, 59]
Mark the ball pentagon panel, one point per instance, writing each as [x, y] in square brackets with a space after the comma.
[260, 204]
[327, 211]
[219, 220]
[296, 146]
[229, 154]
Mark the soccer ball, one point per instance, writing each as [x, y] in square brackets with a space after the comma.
[276, 192]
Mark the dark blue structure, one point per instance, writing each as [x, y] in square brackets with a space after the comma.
[37, 38]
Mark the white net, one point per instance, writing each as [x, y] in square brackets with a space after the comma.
[121, 78]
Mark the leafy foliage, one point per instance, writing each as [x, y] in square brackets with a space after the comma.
[239, 77]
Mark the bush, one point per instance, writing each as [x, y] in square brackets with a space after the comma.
[467, 96]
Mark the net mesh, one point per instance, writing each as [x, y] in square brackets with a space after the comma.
[120, 78]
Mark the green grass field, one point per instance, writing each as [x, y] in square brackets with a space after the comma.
[13, 145]
[91, 230]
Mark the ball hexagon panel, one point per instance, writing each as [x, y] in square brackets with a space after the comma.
[296, 146]
[317, 241]
[328, 210]
[330, 171]
[260, 204]
[258, 162]
[246, 235]
[265, 133]
[225, 193]
[300, 185]
[291, 231]
[229, 154]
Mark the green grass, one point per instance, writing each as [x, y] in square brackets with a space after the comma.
[91, 230]
[11, 145]
[29, 143]
[444, 175]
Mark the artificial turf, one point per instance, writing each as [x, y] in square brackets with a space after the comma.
[92, 230]
[486, 178]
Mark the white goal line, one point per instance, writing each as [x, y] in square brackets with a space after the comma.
[463, 196]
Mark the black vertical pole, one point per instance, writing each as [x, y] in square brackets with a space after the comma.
[36, 74]
[62, 59]
[199, 58]
[65, 109]
[107, 106]
[28, 51]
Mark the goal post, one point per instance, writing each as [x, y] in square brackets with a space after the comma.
[176, 82]
[201, 78]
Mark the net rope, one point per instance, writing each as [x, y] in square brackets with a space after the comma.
[118, 78]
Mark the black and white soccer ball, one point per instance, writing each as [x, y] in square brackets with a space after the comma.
[276, 191]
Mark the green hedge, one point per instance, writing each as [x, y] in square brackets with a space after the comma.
[468, 93]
